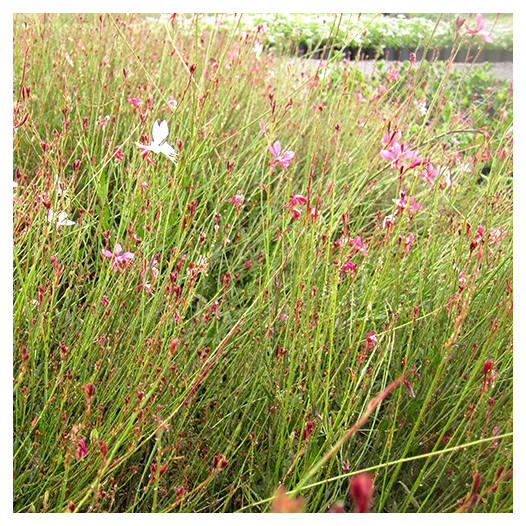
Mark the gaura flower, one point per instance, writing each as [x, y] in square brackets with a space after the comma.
[103, 121]
[283, 160]
[135, 101]
[429, 174]
[238, 200]
[296, 199]
[398, 153]
[393, 75]
[292, 206]
[58, 185]
[60, 219]
[117, 258]
[480, 29]
[359, 245]
[159, 144]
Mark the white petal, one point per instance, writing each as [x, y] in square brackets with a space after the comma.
[167, 150]
[144, 147]
[67, 222]
[61, 219]
[58, 185]
[159, 132]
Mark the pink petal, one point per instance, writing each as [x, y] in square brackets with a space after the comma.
[118, 249]
[288, 155]
[107, 253]
[485, 35]
[298, 198]
[276, 149]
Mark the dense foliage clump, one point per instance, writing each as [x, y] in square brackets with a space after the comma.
[242, 279]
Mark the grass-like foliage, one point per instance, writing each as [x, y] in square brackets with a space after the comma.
[303, 275]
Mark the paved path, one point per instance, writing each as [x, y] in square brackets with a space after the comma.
[501, 70]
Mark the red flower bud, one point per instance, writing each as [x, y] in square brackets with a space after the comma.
[361, 491]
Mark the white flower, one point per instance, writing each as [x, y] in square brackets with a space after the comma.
[58, 185]
[465, 167]
[60, 219]
[258, 48]
[159, 144]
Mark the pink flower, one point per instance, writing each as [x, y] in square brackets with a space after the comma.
[295, 200]
[135, 101]
[117, 153]
[292, 206]
[238, 200]
[371, 339]
[408, 243]
[415, 160]
[401, 203]
[359, 245]
[284, 160]
[388, 221]
[172, 104]
[153, 271]
[360, 97]
[496, 235]
[347, 267]
[104, 121]
[392, 137]
[117, 258]
[82, 451]
[490, 374]
[296, 214]
[413, 205]
[392, 153]
[479, 235]
[480, 29]
[398, 153]
[429, 174]
[393, 75]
